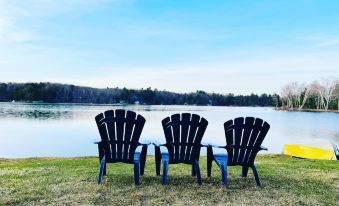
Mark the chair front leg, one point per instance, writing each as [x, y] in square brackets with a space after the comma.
[221, 161]
[101, 155]
[101, 169]
[137, 168]
[165, 159]
[136, 172]
[223, 168]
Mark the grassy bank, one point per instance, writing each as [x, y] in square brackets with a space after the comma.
[70, 181]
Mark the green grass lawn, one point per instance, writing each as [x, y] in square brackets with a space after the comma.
[73, 181]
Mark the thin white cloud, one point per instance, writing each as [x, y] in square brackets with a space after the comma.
[329, 42]
[242, 77]
[15, 14]
[322, 40]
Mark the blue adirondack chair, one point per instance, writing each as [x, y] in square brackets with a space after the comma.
[243, 141]
[120, 131]
[183, 133]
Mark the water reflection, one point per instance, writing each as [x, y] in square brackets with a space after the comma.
[41, 111]
[36, 114]
[69, 129]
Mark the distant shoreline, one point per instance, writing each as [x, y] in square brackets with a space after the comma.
[307, 110]
[66, 93]
[126, 104]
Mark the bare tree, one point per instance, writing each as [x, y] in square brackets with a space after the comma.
[329, 86]
[287, 95]
[336, 93]
[315, 90]
[304, 93]
[295, 95]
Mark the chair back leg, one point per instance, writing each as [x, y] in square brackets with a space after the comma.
[244, 171]
[143, 159]
[256, 176]
[223, 168]
[209, 161]
[197, 170]
[157, 160]
[164, 172]
[101, 169]
[137, 172]
[194, 170]
[104, 173]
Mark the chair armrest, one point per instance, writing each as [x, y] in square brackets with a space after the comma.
[163, 149]
[137, 155]
[218, 150]
[158, 145]
[245, 147]
[205, 144]
[145, 143]
[101, 141]
[215, 146]
[140, 147]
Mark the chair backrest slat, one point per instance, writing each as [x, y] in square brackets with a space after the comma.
[168, 133]
[183, 134]
[110, 130]
[238, 129]
[191, 135]
[102, 128]
[186, 118]
[128, 133]
[176, 133]
[104, 133]
[138, 126]
[120, 123]
[120, 131]
[249, 121]
[229, 134]
[244, 137]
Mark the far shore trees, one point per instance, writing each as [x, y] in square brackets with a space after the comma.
[64, 93]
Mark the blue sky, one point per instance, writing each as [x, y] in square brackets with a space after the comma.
[179, 45]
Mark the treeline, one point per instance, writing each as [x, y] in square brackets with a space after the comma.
[62, 93]
[319, 95]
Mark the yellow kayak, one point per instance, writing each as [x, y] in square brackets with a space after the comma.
[309, 152]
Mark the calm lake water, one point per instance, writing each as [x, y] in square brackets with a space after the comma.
[66, 130]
